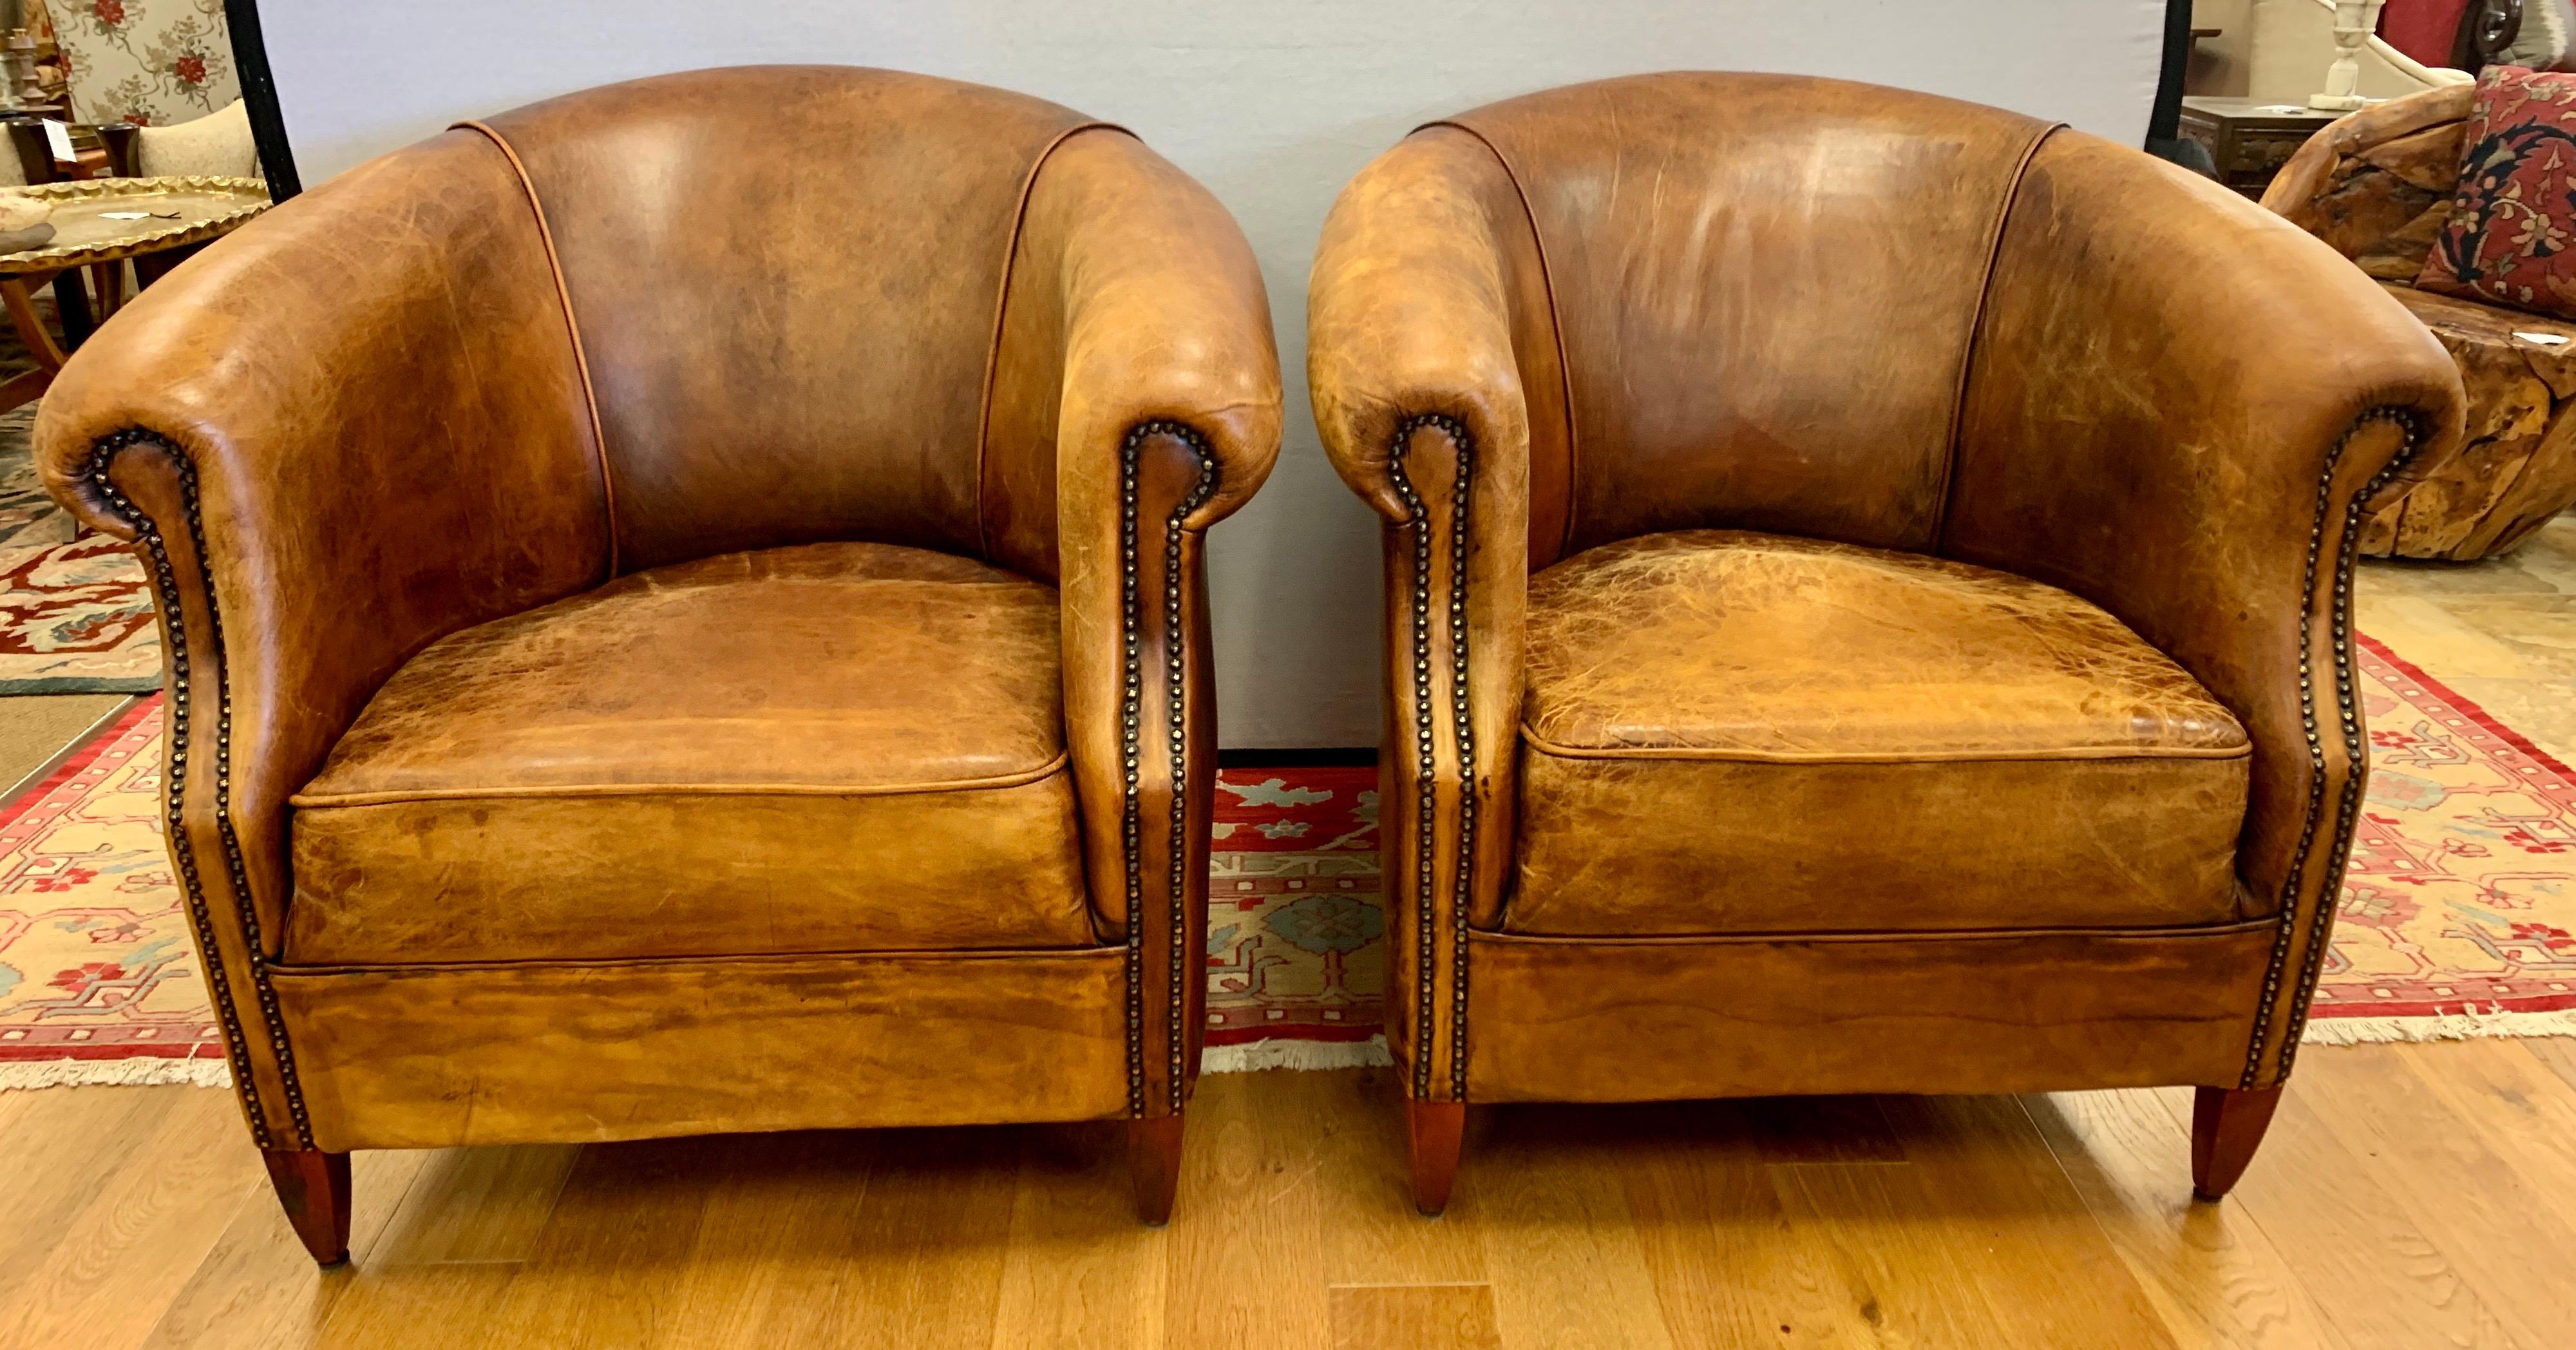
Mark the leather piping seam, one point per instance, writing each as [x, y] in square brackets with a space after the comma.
[2357, 762]
[1001, 311]
[2086, 753]
[1131, 715]
[889, 956]
[1426, 844]
[1555, 327]
[147, 533]
[323, 801]
[572, 326]
[1976, 327]
[2184, 932]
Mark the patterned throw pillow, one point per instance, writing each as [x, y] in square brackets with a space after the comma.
[2513, 216]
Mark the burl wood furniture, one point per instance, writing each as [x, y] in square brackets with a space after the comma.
[2377, 187]
[686, 615]
[179, 215]
[1868, 583]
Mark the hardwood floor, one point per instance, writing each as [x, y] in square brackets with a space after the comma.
[2409, 1196]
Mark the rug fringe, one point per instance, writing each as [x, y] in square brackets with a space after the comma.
[1258, 1056]
[148, 1072]
[2468, 1024]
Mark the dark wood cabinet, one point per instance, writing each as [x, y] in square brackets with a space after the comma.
[2249, 141]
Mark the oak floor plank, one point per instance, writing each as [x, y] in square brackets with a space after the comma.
[1978, 1240]
[2557, 1053]
[62, 1145]
[772, 1238]
[427, 1308]
[2460, 1190]
[470, 1205]
[1245, 1265]
[920, 1261]
[2409, 1196]
[111, 1273]
[1541, 1183]
[1081, 1272]
[2374, 1274]
[601, 1272]
[1729, 1268]
[259, 1288]
[1413, 1317]
[1372, 1235]
[2211, 1274]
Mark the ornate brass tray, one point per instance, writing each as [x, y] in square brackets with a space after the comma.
[178, 210]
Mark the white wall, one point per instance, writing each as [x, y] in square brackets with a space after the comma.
[1273, 104]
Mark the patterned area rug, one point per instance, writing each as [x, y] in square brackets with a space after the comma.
[76, 618]
[98, 976]
[2459, 908]
[2456, 921]
[1296, 941]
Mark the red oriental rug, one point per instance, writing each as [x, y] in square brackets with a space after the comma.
[2456, 918]
[75, 618]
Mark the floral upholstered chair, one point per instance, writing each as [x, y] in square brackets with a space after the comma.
[149, 62]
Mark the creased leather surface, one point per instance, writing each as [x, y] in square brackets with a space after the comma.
[786, 279]
[1744, 733]
[1864, 315]
[2019, 1012]
[841, 667]
[1766, 287]
[1722, 644]
[2169, 416]
[393, 433]
[440, 1056]
[1670, 846]
[818, 748]
[1427, 299]
[832, 747]
[1135, 300]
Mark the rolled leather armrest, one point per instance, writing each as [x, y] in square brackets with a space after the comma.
[2177, 406]
[1418, 396]
[353, 427]
[1167, 419]
[1407, 317]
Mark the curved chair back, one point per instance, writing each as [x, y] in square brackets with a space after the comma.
[1765, 289]
[786, 283]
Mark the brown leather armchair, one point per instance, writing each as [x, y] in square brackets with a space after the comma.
[1867, 590]
[686, 615]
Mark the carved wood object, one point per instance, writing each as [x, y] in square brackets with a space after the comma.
[2376, 186]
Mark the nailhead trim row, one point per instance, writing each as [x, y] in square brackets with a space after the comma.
[1131, 716]
[103, 453]
[1426, 763]
[2321, 922]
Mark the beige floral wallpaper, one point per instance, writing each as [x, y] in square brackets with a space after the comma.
[150, 62]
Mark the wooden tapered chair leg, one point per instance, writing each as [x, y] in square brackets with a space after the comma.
[1154, 1165]
[2227, 1125]
[1433, 1132]
[314, 1188]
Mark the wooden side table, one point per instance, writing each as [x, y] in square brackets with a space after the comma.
[176, 215]
[2249, 141]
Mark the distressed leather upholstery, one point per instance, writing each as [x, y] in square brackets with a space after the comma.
[647, 579]
[1867, 588]
[876, 763]
[1717, 720]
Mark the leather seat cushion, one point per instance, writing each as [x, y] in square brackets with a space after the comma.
[833, 747]
[1728, 732]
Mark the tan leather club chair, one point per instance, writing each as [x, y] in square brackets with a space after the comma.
[686, 615]
[1868, 599]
